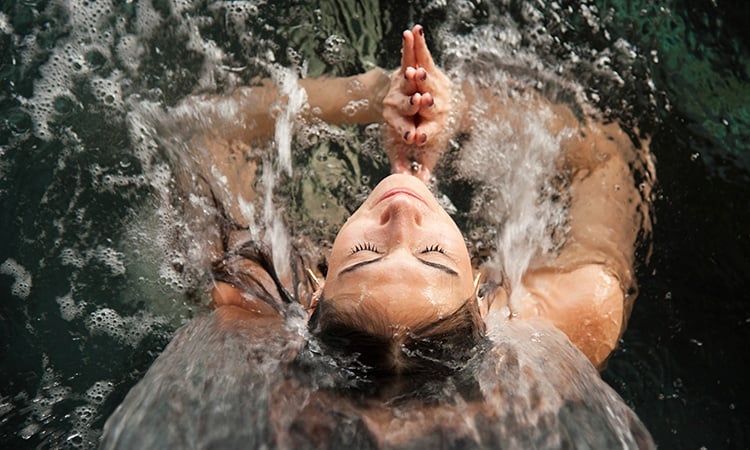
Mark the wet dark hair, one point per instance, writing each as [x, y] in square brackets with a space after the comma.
[437, 348]
[363, 337]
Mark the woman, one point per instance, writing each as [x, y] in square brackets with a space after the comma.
[398, 353]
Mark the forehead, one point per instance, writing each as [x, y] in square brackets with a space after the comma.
[398, 294]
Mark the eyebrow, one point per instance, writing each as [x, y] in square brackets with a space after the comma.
[434, 265]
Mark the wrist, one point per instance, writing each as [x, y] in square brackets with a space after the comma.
[376, 82]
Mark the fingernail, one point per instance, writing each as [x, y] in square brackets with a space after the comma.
[411, 100]
[432, 102]
[421, 31]
[424, 77]
[424, 137]
[406, 135]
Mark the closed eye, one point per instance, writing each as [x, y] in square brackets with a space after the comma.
[364, 246]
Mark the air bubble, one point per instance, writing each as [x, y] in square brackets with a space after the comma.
[333, 50]
[354, 107]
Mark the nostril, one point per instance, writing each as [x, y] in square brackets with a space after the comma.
[403, 211]
[385, 216]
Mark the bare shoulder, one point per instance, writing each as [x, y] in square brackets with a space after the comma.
[585, 302]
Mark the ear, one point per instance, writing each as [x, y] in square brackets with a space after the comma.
[318, 284]
[316, 297]
[482, 305]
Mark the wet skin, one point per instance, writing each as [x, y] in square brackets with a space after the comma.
[402, 252]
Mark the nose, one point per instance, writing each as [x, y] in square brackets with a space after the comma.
[402, 217]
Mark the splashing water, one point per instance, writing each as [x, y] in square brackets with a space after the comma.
[516, 195]
[512, 160]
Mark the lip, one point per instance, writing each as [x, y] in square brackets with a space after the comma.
[399, 191]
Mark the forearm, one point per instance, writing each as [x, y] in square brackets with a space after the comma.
[350, 100]
[249, 113]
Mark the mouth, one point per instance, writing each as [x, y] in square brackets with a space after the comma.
[400, 191]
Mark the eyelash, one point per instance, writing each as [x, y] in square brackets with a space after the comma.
[366, 246]
[434, 248]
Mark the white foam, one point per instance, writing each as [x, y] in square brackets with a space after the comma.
[72, 257]
[108, 90]
[99, 391]
[21, 286]
[129, 330]
[69, 308]
[111, 258]
[88, 34]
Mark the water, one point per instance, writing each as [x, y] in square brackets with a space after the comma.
[99, 265]
[273, 401]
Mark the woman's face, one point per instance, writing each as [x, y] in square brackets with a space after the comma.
[402, 251]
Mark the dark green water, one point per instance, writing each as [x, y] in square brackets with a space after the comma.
[82, 201]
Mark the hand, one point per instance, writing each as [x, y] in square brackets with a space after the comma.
[416, 109]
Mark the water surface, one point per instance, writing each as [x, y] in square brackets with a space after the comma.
[93, 286]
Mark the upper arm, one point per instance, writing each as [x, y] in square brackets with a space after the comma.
[226, 296]
[586, 303]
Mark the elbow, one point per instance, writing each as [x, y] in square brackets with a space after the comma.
[600, 324]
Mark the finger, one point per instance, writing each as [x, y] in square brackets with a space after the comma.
[408, 58]
[409, 136]
[402, 105]
[400, 125]
[412, 104]
[422, 81]
[410, 74]
[421, 53]
[426, 106]
[426, 130]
